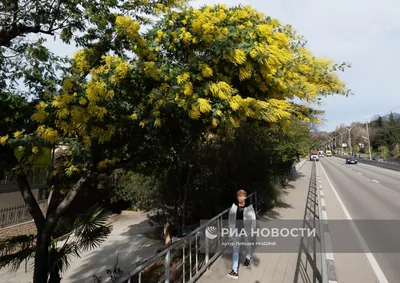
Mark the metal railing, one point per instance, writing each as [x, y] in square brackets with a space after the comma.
[185, 260]
[17, 214]
[311, 265]
[35, 175]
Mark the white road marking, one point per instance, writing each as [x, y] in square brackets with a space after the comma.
[321, 193]
[322, 202]
[375, 167]
[324, 215]
[359, 173]
[375, 181]
[329, 256]
[372, 261]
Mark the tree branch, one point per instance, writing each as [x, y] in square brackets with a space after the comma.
[31, 202]
[52, 218]
[55, 14]
[25, 189]
[6, 36]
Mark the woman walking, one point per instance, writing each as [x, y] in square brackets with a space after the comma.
[241, 221]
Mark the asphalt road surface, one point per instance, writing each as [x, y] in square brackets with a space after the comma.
[365, 192]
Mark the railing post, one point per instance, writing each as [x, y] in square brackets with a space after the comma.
[167, 266]
[184, 262]
[255, 202]
[219, 229]
[190, 258]
[206, 246]
[197, 257]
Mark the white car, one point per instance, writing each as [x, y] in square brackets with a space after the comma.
[314, 157]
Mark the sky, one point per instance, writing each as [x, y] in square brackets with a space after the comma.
[364, 33]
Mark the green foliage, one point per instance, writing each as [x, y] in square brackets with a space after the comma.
[384, 152]
[254, 159]
[138, 189]
[386, 132]
[43, 158]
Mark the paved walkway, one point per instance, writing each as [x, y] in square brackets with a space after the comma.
[127, 241]
[273, 267]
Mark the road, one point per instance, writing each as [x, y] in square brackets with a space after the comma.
[364, 192]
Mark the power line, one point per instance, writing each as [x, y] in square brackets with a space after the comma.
[395, 108]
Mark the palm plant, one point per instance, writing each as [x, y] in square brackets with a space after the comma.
[87, 231]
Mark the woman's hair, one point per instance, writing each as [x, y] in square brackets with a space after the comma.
[241, 192]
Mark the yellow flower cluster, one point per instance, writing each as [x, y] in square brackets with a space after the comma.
[206, 71]
[48, 134]
[40, 115]
[80, 62]
[218, 64]
[3, 140]
[126, 26]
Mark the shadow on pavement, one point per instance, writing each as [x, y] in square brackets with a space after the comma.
[308, 267]
[128, 243]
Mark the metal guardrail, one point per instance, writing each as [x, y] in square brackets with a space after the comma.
[386, 165]
[17, 214]
[310, 266]
[183, 260]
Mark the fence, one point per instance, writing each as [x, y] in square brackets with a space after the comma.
[35, 175]
[17, 214]
[183, 261]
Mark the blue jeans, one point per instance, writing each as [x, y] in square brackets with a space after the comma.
[236, 250]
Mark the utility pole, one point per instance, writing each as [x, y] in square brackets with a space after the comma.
[336, 142]
[341, 142]
[369, 140]
[341, 138]
[349, 129]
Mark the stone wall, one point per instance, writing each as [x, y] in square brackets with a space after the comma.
[26, 228]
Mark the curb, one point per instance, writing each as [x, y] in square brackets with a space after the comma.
[300, 164]
[330, 268]
[131, 212]
[293, 171]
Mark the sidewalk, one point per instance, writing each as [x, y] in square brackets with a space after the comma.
[127, 242]
[273, 267]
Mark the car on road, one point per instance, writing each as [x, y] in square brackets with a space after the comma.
[314, 157]
[351, 160]
[328, 153]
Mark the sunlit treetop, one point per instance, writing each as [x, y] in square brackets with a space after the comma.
[73, 113]
[223, 65]
[216, 66]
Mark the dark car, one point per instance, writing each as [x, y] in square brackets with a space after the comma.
[351, 160]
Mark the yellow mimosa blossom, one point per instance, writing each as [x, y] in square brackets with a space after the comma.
[18, 134]
[3, 140]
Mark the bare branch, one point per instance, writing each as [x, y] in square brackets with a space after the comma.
[55, 14]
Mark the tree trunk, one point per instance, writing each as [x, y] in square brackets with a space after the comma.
[184, 208]
[40, 273]
[55, 277]
[184, 202]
